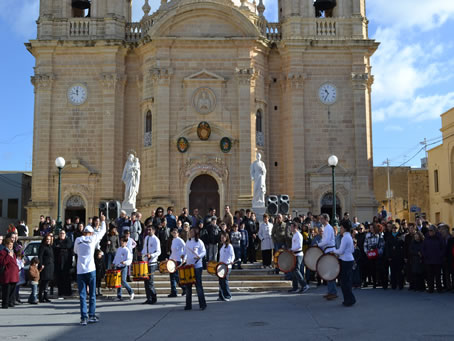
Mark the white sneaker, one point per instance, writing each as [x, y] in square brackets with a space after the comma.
[131, 297]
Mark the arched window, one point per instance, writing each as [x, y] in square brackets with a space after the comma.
[148, 122]
[258, 121]
[148, 129]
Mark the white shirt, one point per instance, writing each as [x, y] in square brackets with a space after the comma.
[177, 249]
[346, 249]
[227, 255]
[123, 255]
[265, 236]
[131, 244]
[152, 246]
[84, 248]
[192, 249]
[328, 239]
[297, 243]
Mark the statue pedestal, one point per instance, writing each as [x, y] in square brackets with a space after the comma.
[128, 208]
[259, 212]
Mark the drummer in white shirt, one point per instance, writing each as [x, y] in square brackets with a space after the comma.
[122, 260]
[150, 253]
[226, 256]
[194, 251]
[177, 250]
[345, 252]
[327, 244]
[297, 248]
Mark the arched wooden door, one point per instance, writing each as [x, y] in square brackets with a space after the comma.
[204, 194]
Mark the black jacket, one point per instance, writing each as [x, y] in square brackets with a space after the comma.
[63, 252]
[394, 249]
[46, 258]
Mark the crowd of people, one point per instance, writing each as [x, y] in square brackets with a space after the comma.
[387, 253]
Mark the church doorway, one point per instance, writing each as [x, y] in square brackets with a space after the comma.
[75, 207]
[327, 205]
[204, 194]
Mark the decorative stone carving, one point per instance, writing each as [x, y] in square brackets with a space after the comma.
[204, 100]
[258, 175]
[245, 75]
[111, 80]
[260, 138]
[75, 201]
[42, 81]
[204, 165]
[131, 179]
[204, 131]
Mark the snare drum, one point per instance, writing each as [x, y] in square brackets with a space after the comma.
[168, 266]
[311, 257]
[113, 279]
[140, 271]
[328, 267]
[218, 269]
[187, 275]
[285, 260]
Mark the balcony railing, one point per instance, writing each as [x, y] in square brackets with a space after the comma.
[79, 27]
[325, 27]
[133, 32]
[273, 31]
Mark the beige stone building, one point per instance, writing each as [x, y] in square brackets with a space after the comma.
[195, 90]
[410, 191]
[441, 173]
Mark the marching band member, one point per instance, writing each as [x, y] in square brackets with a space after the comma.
[345, 252]
[122, 260]
[227, 256]
[194, 251]
[177, 250]
[150, 252]
[297, 248]
[328, 245]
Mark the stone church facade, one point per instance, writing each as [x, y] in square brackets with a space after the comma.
[195, 90]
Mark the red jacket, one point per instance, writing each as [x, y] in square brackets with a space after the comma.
[11, 273]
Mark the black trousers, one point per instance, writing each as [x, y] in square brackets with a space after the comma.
[397, 275]
[251, 253]
[8, 294]
[266, 257]
[43, 289]
[149, 284]
[64, 283]
[433, 275]
[346, 279]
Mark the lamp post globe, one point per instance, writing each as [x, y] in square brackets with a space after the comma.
[60, 163]
[332, 162]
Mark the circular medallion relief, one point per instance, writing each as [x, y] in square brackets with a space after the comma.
[204, 100]
[226, 144]
[203, 131]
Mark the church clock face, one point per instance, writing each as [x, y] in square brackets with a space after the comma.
[77, 94]
[327, 93]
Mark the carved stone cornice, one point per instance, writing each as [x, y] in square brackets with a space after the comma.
[43, 81]
[161, 75]
[110, 80]
[244, 76]
[295, 80]
[361, 80]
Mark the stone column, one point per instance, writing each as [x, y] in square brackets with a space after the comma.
[246, 148]
[161, 131]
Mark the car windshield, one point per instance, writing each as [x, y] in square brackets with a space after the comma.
[32, 249]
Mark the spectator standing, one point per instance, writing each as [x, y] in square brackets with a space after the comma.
[46, 263]
[10, 275]
[266, 242]
[63, 252]
[432, 252]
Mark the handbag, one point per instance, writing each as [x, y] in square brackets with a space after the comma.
[372, 254]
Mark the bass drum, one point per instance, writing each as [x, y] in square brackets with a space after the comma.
[222, 270]
[311, 257]
[285, 260]
[328, 267]
[168, 266]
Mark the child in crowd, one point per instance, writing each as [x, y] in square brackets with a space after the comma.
[356, 272]
[122, 260]
[235, 239]
[100, 270]
[20, 264]
[33, 275]
[131, 245]
[244, 244]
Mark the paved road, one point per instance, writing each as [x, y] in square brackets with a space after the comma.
[378, 315]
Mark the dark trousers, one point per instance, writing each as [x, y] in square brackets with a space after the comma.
[417, 281]
[199, 288]
[397, 275]
[243, 254]
[224, 289]
[383, 272]
[251, 252]
[174, 280]
[447, 283]
[8, 294]
[64, 283]
[433, 274]
[372, 270]
[149, 283]
[346, 279]
[266, 257]
[43, 290]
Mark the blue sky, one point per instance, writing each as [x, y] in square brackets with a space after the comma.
[414, 82]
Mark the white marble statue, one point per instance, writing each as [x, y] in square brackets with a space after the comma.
[131, 179]
[258, 175]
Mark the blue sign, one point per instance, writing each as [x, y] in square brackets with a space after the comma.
[415, 209]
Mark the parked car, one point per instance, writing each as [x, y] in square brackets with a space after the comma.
[31, 251]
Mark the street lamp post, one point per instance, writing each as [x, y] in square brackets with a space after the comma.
[60, 163]
[332, 162]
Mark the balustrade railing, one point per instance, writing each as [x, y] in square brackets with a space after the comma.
[133, 32]
[79, 27]
[325, 27]
[273, 31]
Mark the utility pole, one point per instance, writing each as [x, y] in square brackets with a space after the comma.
[424, 161]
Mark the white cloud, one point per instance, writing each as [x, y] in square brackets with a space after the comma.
[21, 16]
[418, 109]
[394, 128]
[423, 14]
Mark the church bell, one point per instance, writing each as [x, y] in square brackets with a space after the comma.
[81, 4]
[324, 5]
